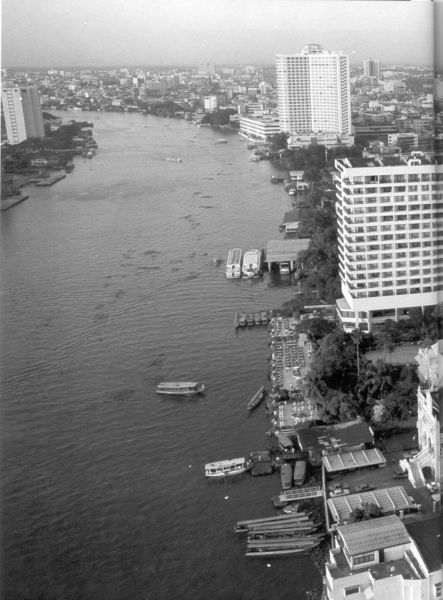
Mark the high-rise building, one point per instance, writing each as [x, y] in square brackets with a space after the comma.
[314, 92]
[32, 111]
[371, 68]
[13, 114]
[206, 69]
[389, 237]
[23, 114]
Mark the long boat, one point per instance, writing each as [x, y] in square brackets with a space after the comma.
[286, 474]
[257, 398]
[226, 468]
[180, 388]
[234, 263]
[252, 263]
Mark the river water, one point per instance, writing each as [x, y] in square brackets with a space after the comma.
[108, 287]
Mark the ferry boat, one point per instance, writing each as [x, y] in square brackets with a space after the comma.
[225, 468]
[252, 263]
[234, 263]
[180, 388]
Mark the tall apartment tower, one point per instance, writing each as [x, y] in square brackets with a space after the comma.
[371, 68]
[32, 111]
[23, 114]
[390, 237]
[314, 92]
[13, 114]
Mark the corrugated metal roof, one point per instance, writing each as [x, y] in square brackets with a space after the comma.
[375, 534]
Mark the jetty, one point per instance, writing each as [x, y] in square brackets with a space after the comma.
[10, 201]
[50, 180]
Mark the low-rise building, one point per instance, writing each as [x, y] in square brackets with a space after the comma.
[259, 127]
[378, 559]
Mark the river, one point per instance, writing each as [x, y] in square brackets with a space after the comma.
[108, 287]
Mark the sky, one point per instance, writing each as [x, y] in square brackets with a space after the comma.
[63, 33]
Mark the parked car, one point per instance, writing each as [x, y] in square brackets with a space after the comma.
[340, 492]
[364, 487]
[399, 474]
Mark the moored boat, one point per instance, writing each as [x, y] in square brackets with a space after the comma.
[241, 320]
[257, 398]
[234, 263]
[180, 388]
[252, 263]
[226, 468]
[286, 474]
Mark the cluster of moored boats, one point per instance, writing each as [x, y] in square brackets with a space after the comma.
[290, 533]
[243, 319]
[249, 264]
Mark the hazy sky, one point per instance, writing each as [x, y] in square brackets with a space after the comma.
[188, 32]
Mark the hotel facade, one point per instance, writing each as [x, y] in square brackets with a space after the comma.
[389, 226]
[314, 92]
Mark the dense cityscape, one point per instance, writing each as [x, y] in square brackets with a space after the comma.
[354, 392]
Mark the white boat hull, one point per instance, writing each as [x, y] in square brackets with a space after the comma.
[226, 468]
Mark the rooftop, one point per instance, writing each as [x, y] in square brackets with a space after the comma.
[352, 434]
[389, 500]
[285, 250]
[375, 534]
[387, 161]
[357, 459]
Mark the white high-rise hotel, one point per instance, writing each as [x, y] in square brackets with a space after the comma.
[314, 92]
[390, 237]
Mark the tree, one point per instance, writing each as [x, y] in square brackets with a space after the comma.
[367, 511]
[278, 141]
[317, 328]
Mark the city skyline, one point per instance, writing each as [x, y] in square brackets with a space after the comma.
[188, 32]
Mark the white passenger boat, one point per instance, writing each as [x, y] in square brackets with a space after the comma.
[252, 263]
[180, 388]
[225, 468]
[234, 263]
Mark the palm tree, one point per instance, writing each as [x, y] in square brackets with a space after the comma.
[357, 337]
